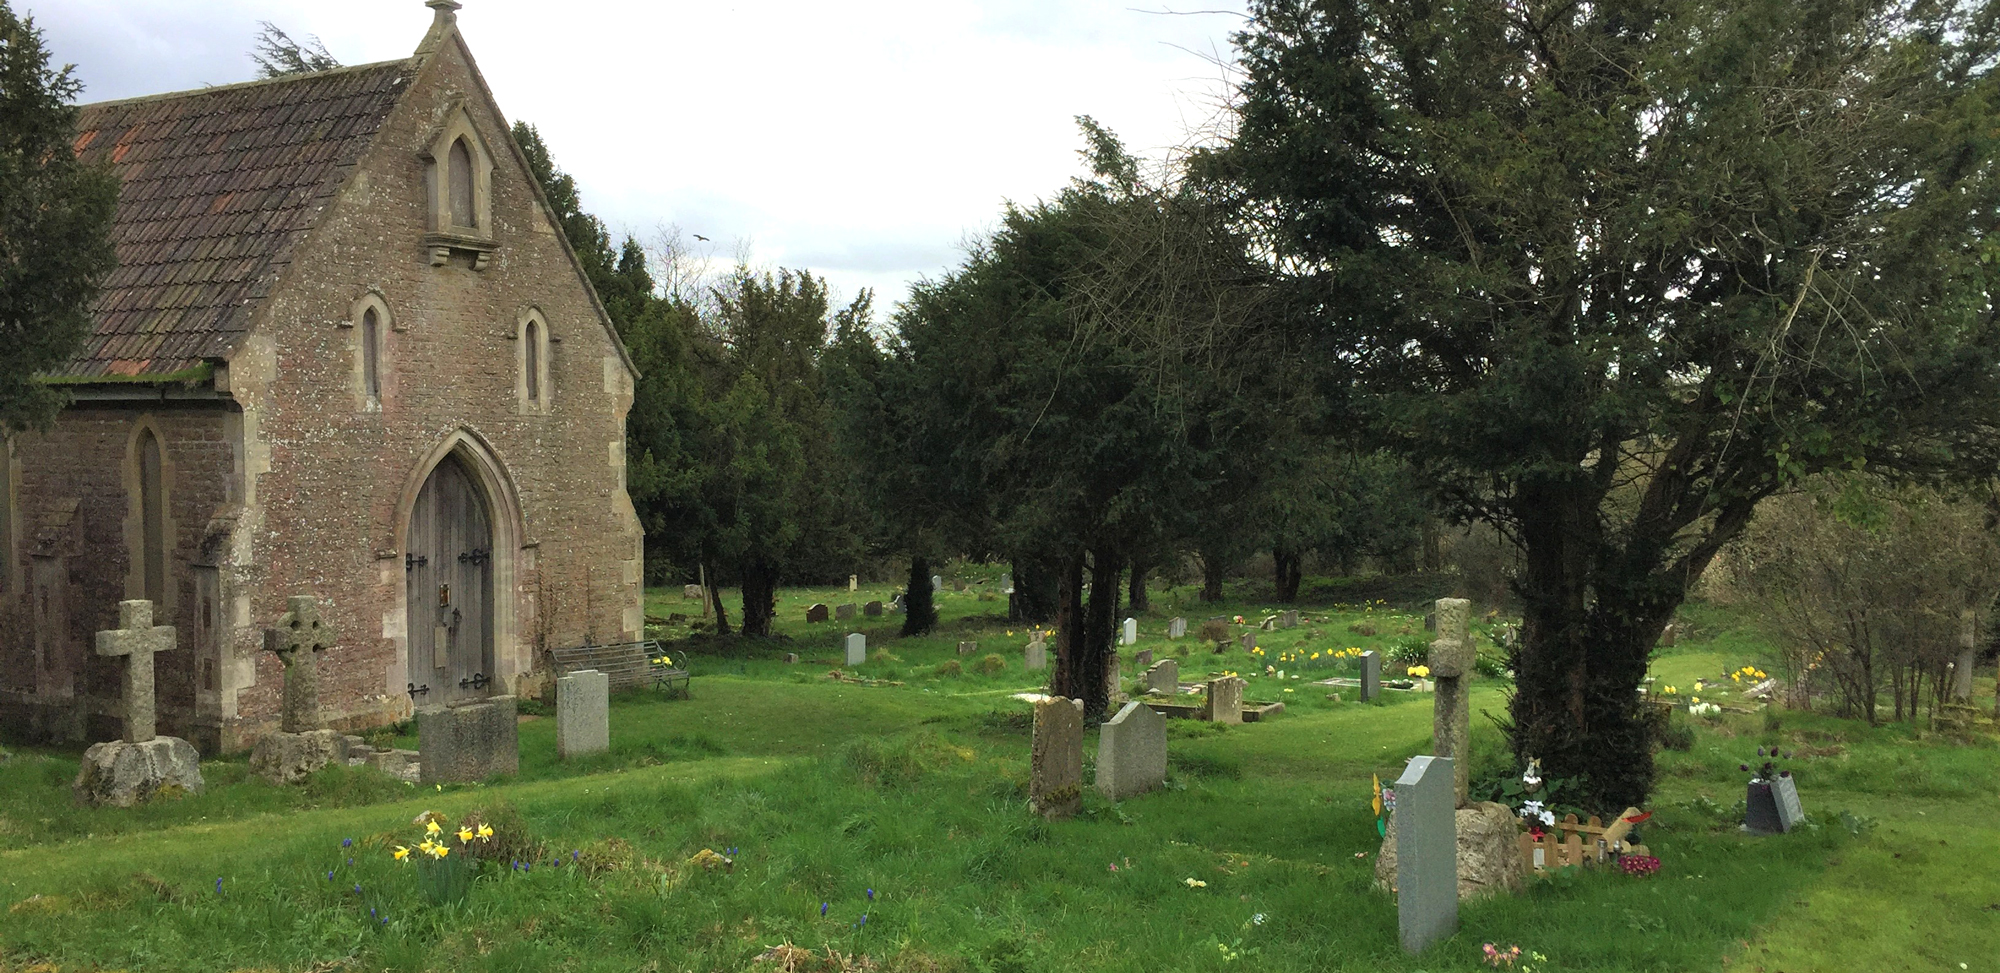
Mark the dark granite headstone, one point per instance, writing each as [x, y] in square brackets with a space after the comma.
[1426, 853]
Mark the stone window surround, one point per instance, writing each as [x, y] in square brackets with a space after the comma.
[135, 517]
[446, 237]
[545, 343]
[385, 322]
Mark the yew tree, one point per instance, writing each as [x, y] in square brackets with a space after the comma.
[1610, 274]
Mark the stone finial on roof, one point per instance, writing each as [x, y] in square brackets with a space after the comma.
[444, 23]
[447, 10]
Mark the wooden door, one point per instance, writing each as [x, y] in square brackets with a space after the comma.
[449, 566]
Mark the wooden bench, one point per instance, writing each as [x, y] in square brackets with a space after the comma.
[628, 665]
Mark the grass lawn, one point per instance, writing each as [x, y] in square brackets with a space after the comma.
[902, 800]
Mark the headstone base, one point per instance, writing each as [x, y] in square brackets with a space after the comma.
[121, 774]
[1489, 852]
[288, 758]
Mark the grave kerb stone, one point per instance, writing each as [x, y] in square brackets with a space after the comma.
[138, 640]
[1426, 853]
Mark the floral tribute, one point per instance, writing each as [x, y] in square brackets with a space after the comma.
[443, 877]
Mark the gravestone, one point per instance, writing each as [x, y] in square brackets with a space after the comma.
[1176, 627]
[937, 582]
[1430, 622]
[1248, 641]
[896, 603]
[853, 582]
[857, 649]
[1224, 702]
[844, 612]
[1142, 658]
[1037, 655]
[1290, 619]
[691, 592]
[1055, 784]
[1131, 752]
[1669, 635]
[792, 657]
[583, 713]
[1371, 675]
[470, 742]
[1007, 583]
[816, 614]
[1451, 662]
[1426, 852]
[967, 648]
[142, 764]
[1163, 677]
[1791, 813]
[302, 744]
[1130, 634]
[873, 609]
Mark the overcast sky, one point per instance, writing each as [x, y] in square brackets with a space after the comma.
[863, 141]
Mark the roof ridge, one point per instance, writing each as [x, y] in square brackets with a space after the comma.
[239, 85]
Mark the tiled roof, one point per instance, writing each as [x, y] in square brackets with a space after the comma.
[219, 187]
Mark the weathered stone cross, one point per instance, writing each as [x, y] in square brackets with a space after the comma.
[300, 628]
[137, 639]
[1452, 659]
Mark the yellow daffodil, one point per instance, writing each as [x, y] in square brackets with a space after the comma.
[1195, 883]
[431, 827]
[1668, 691]
[402, 852]
[485, 832]
[1421, 672]
[1696, 699]
[464, 835]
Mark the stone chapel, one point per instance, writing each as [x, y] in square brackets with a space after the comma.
[347, 353]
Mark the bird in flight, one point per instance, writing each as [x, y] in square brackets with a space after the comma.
[701, 238]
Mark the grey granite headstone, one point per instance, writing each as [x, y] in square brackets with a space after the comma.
[857, 649]
[1426, 853]
[1163, 677]
[1176, 627]
[1225, 700]
[1371, 675]
[1791, 813]
[1037, 655]
[583, 713]
[873, 609]
[469, 743]
[1131, 752]
[1451, 661]
[844, 612]
[137, 639]
[1130, 633]
[1055, 765]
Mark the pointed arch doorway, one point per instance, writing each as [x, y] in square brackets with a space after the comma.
[448, 564]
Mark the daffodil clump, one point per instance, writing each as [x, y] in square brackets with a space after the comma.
[1751, 673]
[442, 876]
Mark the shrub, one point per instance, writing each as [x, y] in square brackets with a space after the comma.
[1412, 651]
[948, 669]
[1215, 630]
[992, 664]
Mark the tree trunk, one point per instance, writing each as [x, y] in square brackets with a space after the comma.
[760, 595]
[1212, 576]
[1433, 545]
[1137, 588]
[919, 606]
[1289, 566]
[715, 600]
[1083, 634]
[1037, 592]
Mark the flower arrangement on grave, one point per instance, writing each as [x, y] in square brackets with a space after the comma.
[1769, 770]
[1639, 866]
[444, 871]
[1420, 672]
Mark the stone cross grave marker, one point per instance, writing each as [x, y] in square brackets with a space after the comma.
[816, 614]
[137, 639]
[873, 609]
[844, 612]
[1163, 677]
[857, 649]
[1130, 635]
[1371, 675]
[298, 640]
[1037, 655]
[1176, 627]
[1426, 852]
[583, 713]
[1225, 700]
[1451, 661]
[1055, 785]
[1142, 658]
[1131, 752]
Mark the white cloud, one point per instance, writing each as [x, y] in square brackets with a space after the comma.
[864, 142]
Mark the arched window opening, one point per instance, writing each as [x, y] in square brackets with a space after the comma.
[460, 174]
[153, 519]
[534, 362]
[371, 354]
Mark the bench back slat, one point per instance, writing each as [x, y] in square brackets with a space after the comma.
[626, 664]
